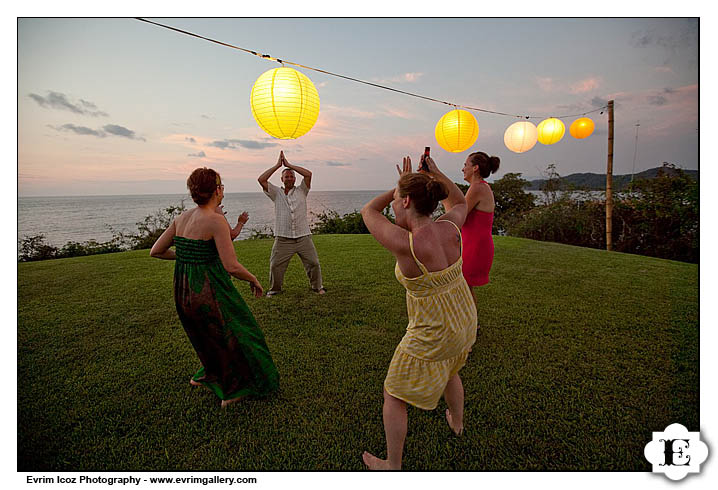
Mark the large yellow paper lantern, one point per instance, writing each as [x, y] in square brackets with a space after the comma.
[550, 131]
[284, 103]
[581, 128]
[456, 131]
[520, 136]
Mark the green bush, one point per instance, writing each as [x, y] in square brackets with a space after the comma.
[150, 228]
[330, 222]
[657, 217]
[260, 233]
[148, 231]
[511, 202]
[660, 217]
[565, 220]
[35, 248]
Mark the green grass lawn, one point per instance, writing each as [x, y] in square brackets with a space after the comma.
[581, 355]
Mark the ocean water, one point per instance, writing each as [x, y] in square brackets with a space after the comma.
[82, 218]
[78, 219]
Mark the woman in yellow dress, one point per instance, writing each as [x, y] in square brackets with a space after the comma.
[442, 313]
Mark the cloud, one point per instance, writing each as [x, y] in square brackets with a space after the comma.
[56, 100]
[121, 131]
[661, 98]
[683, 37]
[657, 100]
[338, 164]
[85, 131]
[403, 78]
[546, 84]
[398, 113]
[111, 129]
[222, 145]
[201, 154]
[253, 145]
[233, 143]
[348, 112]
[583, 86]
[190, 139]
[599, 102]
[204, 116]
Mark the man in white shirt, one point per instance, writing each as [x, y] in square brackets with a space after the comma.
[291, 226]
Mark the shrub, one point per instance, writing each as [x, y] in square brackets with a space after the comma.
[658, 217]
[565, 220]
[148, 231]
[150, 228]
[512, 202]
[35, 248]
[329, 222]
[259, 233]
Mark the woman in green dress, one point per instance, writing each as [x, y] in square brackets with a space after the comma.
[229, 343]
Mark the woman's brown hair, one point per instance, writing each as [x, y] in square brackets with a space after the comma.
[202, 183]
[424, 191]
[487, 165]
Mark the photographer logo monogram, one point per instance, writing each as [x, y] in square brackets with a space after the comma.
[676, 452]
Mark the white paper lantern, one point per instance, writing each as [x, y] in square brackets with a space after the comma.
[521, 136]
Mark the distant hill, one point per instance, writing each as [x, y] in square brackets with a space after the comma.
[598, 181]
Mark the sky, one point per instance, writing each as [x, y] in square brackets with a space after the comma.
[119, 106]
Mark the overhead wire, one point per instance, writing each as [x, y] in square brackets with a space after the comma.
[319, 70]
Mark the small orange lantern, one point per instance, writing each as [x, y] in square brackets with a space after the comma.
[581, 128]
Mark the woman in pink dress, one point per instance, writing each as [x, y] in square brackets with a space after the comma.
[476, 240]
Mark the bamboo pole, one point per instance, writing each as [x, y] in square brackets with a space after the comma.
[609, 181]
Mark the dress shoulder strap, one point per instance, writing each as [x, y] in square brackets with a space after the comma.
[418, 263]
[461, 251]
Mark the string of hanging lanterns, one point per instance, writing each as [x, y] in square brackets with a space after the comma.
[285, 104]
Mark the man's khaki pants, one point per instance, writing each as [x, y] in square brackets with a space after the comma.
[282, 252]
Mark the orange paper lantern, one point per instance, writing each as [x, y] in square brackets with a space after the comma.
[581, 128]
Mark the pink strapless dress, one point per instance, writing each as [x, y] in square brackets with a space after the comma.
[477, 247]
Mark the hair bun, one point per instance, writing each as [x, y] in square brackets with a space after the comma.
[494, 164]
[436, 190]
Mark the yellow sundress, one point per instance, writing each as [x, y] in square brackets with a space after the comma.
[442, 329]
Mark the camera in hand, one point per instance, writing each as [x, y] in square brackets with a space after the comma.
[422, 162]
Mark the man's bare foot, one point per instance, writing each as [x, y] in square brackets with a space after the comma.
[374, 463]
[229, 402]
[458, 431]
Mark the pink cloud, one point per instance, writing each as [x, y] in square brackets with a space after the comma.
[546, 84]
[398, 113]
[583, 86]
[410, 77]
[348, 112]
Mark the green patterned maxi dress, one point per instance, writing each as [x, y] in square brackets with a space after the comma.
[228, 341]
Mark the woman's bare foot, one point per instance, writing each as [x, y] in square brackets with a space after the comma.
[374, 463]
[194, 383]
[229, 402]
[456, 431]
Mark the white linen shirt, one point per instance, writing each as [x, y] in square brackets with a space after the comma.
[290, 210]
